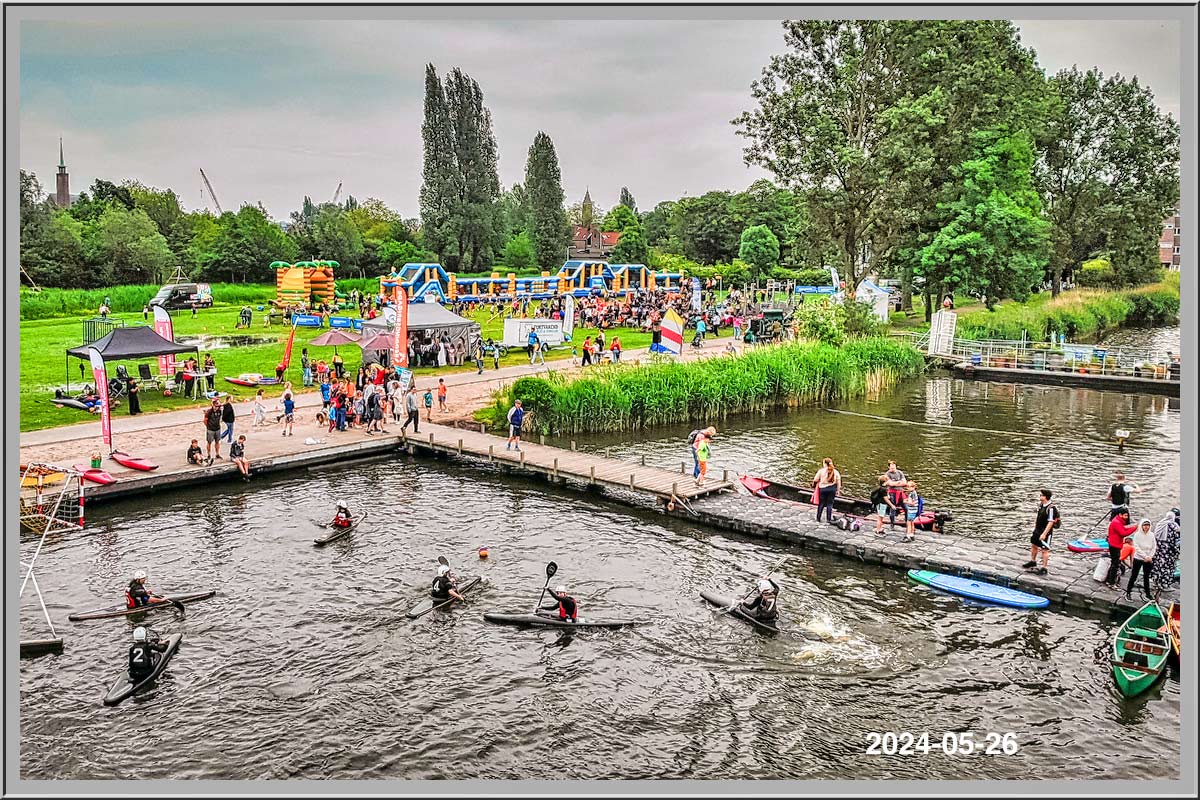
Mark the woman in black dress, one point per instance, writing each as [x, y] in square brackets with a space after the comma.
[135, 404]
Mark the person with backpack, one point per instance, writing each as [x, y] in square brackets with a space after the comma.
[694, 441]
[1119, 494]
[1043, 529]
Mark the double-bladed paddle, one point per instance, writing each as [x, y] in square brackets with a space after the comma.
[739, 600]
[551, 568]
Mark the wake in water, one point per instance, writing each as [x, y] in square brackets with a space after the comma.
[831, 641]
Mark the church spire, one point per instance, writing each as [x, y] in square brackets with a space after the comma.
[62, 162]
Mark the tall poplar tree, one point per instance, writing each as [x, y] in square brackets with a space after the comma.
[440, 185]
[547, 218]
[476, 213]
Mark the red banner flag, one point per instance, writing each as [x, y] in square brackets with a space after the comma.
[400, 329]
[166, 329]
[287, 354]
[100, 375]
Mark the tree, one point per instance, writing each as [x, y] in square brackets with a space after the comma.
[627, 200]
[519, 253]
[393, 255]
[996, 243]
[706, 227]
[620, 219]
[441, 181]
[759, 248]
[631, 247]
[513, 210]
[1109, 174]
[334, 237]
[474, 212]
[164, 209]
[245, 246]
[543, 195]
[129, 242]
[657, 225]
[576, 214]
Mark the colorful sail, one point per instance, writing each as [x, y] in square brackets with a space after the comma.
[100, 376]
[672, 333]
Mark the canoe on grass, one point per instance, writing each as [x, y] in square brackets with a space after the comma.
[978, 590]
[1140, 649]
[124, 611]
[722, 601]
[338, 533]
[125, 687]
[545, 620]
[1173, 627]
[424, 607]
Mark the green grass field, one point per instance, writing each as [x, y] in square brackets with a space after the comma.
[44, 366]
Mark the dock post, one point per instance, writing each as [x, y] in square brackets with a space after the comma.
[593, 473]
[572, 444]
[522, 462]
[490, 454]
[431, 440]
[556, 469]
[725, 475]
[460, 447]
[674, 490]
[542, 439]
[483, 427]
[631, 486]
[643, 459]
[682, 467]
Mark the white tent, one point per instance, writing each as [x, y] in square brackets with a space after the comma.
[877, 297]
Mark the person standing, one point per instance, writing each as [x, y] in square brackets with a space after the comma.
[912, 507]
[478, 357]
[896, 481]
[1166, 554]
[339, 366]
[212, 429]
[306, 367]
[703, 453]
[587, 351]
[228, 416]
[427, 399]
[531, 344]
[881, 504]
[237, 454]
[1118, 529]
[145, 312]
[539, 354]
[1119, 494]
[135, 403]
[289, 413]
[615, 349]
[441, 395]
[495, 356]
[326, 392]
[1043, 529]
[516, 417]
[1145, 547]
[828, 484]
[210, 368]
[260, 409]
[414, 412]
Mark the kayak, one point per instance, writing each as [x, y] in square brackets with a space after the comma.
[424, 607]
[848, 506]
[253, 380]
[1088, 546]
[1173, 627]
[70, 402]
[124, 611]
[548, 621]
[125, 687]
[978, 590]
[1140, 649]
[95, 475]
[725, 602]
[133, 462]
[338, 533]
[48, 478]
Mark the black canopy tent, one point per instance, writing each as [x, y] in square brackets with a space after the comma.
[128, 343]
[426, 318]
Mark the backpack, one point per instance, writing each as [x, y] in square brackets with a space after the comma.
[692, 436]
[1057, 517]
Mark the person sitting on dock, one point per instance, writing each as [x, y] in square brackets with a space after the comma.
[763, 603]
[444, 585]
[342, 518]
[566, 606]
[143, 655]
[194, 454]
[137, 595]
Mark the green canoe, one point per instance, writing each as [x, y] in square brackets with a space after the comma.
[1140, 650]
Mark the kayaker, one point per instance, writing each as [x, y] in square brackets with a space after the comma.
[143, 655]
[444, 585]
[565, 604]
[1118, 529]
[342, 518]
[137, 595]
[1119, 494]
[763, 603]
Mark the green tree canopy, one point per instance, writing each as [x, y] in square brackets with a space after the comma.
[759, 248]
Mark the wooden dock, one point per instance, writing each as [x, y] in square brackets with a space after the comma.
[1126, 384]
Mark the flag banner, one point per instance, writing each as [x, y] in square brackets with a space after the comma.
[695, 294]
[287, 353]
[166, 329]
[672, 333]
[100, 376]
[400, 329]
[568, 316]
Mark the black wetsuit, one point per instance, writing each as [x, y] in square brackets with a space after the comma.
[138, 593]
[761, 608]
[565, 605]
[441, 587]
[1119, 496]
[143, 659]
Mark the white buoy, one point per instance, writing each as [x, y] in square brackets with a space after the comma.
[1121, 437]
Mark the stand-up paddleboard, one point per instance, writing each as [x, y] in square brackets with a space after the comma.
[95, 475]
[978, 590]
[1088, 545]
[133, 462]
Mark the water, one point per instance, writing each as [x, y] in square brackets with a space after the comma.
[303, 666]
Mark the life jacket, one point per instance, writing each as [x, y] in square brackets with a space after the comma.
[566, 602]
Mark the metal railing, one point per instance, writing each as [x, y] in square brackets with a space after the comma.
[1063, 357]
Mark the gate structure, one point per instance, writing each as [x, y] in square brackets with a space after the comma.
[51, 500]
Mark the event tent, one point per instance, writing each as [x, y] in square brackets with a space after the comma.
[428, 318]
[128, 343]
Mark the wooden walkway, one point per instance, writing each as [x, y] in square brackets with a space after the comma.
[559, 464]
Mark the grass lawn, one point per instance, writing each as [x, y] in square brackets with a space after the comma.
[44, 365]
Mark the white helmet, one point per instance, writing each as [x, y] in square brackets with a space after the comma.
[139, 634]
[443, 569]
[140, 575]
[560, 589]
[342, 504]
[764, 585]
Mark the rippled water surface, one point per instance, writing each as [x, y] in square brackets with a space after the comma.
[304, 665]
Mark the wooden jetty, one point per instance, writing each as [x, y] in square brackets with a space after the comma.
[1064, 377]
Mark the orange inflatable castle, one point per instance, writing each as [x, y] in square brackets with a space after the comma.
[304, 282]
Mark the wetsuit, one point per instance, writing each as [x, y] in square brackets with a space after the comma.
[441, 587]
[762, 608]
[1119, 497]
[137, 594]
[566, 606]
[143, 659]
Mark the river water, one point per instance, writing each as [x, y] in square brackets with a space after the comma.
[303, 665]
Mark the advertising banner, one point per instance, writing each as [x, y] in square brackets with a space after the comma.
[516, 331]
[400, 329]
[164, 328]
[100, 376]
[568, 317]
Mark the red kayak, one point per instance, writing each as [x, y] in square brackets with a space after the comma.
[95, 475]
[126, 460]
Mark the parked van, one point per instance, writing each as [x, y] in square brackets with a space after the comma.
[183, 295]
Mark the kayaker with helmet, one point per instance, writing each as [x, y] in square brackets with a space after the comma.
[1119, 494]
[342, 518]
[763, 603]
[137, 595]
[444, 585]
[564, 604]
[144, 653]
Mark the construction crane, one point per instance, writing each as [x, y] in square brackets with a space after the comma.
[211, 193]
[338, 193]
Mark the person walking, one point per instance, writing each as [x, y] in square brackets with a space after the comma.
[531, 344]
[587, 351]
[516, 417]
[212, 429]
[427, 398]
[414, 411]
[306, 367]
[260, 409]
[478, 357]
[441, 395]
[1145, 547]
[1043, 529]
[228, 416]
[495, 356]
[1118, 529]
[539, 354]
[828, 484]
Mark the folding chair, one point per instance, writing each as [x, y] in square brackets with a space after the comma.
[146, 379]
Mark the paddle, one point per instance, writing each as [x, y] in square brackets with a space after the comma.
[747, 594]
[551, 568]
[1094, 524]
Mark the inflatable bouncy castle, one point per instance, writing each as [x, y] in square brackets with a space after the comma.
[304, 282]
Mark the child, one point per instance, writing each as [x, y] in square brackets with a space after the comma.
[702, 454]
[289, 413]
[442, 395]
[260, 409]
[911, 502]
[882, 504]
[194, 454]
[428, 405]
[574, 356]
[326, 392]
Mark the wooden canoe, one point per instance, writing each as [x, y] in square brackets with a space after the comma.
[1140, 649]
[1173, 627]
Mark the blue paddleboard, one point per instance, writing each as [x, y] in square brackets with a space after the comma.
[978, 590]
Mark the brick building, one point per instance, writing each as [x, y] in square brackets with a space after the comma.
[587, 240]
[1168, 242]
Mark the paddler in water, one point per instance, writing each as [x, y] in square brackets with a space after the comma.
[143, 655]
[763, 604]
[445, 586]
[563, 603]
[137, 595]
[342, 519]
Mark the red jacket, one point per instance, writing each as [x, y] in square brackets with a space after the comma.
[1117, 531]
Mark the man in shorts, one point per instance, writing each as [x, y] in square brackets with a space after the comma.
[1043, 530]
[289, 413]
[516, 416]
[212, 429]
[896, 481]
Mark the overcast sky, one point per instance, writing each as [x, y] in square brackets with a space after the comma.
[276, 111]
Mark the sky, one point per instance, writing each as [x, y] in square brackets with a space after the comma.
[276, 111]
